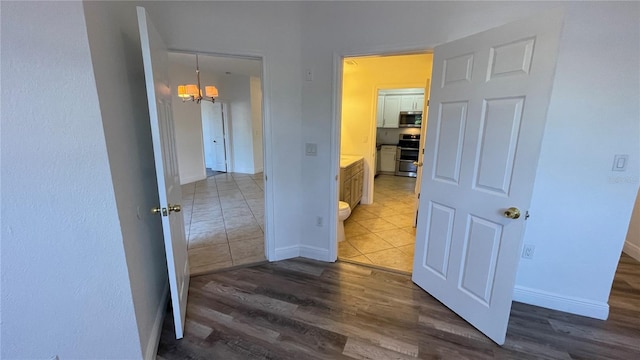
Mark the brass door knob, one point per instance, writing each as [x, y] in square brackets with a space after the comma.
[175, 208]
[417, 163]
[512, 213]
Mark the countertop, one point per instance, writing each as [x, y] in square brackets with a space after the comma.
[346, 160]
[381, 145]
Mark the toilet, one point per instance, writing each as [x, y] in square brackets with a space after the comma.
[343, 213]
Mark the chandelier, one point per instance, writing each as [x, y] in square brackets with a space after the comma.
[192, 92]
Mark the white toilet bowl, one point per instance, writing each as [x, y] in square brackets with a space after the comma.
[343, 213]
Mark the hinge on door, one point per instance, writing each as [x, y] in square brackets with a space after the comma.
[427, 102]
[526, 214]
[265, 177]
[164, 212]
[418, 195]
[422, 151]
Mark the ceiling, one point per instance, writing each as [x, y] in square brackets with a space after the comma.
[219, 64]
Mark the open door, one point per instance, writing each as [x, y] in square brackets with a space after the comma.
[214, 136]
[423, 137]
[489, 99]
[155, 59]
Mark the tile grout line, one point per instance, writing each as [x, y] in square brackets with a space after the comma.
[226, 235]
[193, 197]
[389, 188]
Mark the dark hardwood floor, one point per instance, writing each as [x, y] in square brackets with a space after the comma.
[303, 309]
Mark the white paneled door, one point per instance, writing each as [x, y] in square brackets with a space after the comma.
[155, 59]
[489, 99]
[214, 136]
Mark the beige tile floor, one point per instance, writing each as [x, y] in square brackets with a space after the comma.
[382, 233]
[224, 221]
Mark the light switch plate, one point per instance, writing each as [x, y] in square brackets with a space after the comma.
[311, 149]
[620, 162]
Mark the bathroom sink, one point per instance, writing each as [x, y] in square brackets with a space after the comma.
[346, 160]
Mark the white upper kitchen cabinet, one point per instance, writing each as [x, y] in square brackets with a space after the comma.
[412, 103]
[380, 111]
[391, 111]
[392, 101]
[419, 103]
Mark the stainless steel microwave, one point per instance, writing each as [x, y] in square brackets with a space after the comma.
[410, 119]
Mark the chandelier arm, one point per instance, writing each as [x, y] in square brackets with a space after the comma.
[198, 76]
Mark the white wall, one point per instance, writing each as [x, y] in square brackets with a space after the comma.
[579, 218]
[65, 285]
[187, 119]
[580, 212]
[117, 62]
[237, 96]
[256, 123]
[632, 245]
[272, 31]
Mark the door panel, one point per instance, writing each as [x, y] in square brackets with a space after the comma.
[449, 138]
[457, 70]
[480, 253]
[440, 229]
[488, 109]
[511, 59]
[500, 129]
[155, 60]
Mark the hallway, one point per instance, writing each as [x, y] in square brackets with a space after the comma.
[224, 221]
[382, 233]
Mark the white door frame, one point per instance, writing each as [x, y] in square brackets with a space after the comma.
[336, 123]
[267, 148]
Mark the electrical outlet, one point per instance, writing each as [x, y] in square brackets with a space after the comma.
[527, 251]
[319, 221]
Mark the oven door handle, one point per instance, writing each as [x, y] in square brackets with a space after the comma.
[408, 148]
[409, 161]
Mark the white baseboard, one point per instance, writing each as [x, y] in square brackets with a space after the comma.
[573, 305]
[154, 338]
[190, 179]
[258, 170]
[632, 250]
[243, 170]
[288, 252]
[313, 252]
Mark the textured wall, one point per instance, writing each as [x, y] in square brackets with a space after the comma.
[117, 63]
[65, 286]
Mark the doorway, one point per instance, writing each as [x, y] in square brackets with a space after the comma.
[376, 89]
[220, 159]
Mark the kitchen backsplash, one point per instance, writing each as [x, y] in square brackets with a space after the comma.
[390, 136]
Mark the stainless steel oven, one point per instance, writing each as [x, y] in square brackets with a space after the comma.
[407, 153]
